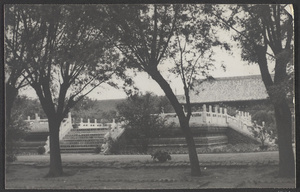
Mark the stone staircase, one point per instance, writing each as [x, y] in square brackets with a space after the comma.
[82, 140]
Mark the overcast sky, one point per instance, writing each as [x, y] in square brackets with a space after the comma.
[233, 63]
[234, 67]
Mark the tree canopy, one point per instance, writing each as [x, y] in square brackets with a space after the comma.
[65, 57]
[144, 34]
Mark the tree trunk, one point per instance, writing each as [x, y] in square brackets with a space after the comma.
[55, 157]
[283, 115]
[284, 129]
[184, 122]
[193, 156]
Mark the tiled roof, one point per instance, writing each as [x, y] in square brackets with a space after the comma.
[226, 89]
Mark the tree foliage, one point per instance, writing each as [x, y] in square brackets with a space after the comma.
[143, 34]
[15, 132]
[29, 107]
[65, 57]
[265, 35]
[141, 120]
[14, 61]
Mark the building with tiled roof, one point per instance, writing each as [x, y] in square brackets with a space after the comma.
[233, 91]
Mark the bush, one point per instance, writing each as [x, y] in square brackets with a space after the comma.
[115, 146]
[14, 133]
[97, 149]
[161, 156]
[11, 158]
[263, 147]
[140, 125]
[41, 150]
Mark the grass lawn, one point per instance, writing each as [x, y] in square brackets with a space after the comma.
[132, 174]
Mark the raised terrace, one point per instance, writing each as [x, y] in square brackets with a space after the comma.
[210, 126]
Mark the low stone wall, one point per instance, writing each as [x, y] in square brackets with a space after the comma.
[235, 138]
[197, 131]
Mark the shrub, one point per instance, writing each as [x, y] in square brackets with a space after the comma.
[97, 149]
[140, 125]
[11, 157]
[161, 156]
[14, 132]
[41, 150]
[114, 146]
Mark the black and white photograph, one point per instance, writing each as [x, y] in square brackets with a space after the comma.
[149, 96]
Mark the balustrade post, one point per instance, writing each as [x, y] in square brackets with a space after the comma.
[210, 113]
[243, 115]
[247, 116]
[239, 118]
[88, 123]
[113, 125]
[215, 120]
[96, 123]
[28, 118]
[226, 115]
[204, 114]
[221, 114]
[37, 118]
[81, 122]
[216, 109]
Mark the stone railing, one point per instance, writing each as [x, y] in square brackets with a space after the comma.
[47, 145]
[65, 126]
[241, 122]
[95, 124]
[208, 117]
[240, 125]
[37, 124]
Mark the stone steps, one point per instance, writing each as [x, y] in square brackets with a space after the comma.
[86, 132]
[91, 150]
[90, 129]
[82, 140]
[78, 145]
[78, 150]
[85, 135]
